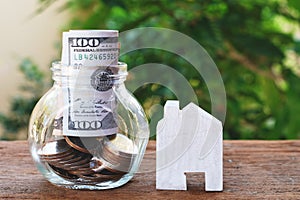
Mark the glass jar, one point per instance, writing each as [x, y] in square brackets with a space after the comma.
[83, 138]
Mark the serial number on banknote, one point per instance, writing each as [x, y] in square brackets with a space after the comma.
[98, 56]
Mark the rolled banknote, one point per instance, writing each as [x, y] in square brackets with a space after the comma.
[88, 57]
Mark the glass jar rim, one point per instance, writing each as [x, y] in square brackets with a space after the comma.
[60, 72]
[59, 65]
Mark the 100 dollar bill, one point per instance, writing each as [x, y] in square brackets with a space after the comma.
[91, 102]
[90, 48]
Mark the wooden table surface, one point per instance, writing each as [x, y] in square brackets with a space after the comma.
[252, 170]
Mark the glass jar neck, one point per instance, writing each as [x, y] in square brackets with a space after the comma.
[82, 76]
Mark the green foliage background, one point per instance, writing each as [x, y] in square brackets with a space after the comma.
[251, 41]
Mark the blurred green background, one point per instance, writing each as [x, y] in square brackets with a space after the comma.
[254, 43]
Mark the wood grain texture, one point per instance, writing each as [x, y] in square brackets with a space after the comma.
[252, 170]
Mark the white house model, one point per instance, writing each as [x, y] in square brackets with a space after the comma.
[188, 140]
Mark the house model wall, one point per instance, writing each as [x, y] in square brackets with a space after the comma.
[188, 140]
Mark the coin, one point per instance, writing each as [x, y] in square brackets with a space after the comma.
[63, 173]
[54, 148]
[97, 166]
[89, 159]
[70, 161]
[111, 137]
[122, 144]
[81, 171]
[59, 158]
[118, 154]
[83, 144]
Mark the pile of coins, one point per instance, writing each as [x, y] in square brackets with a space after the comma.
[89, 159]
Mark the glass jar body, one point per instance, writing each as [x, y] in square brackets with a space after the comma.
[92, 162]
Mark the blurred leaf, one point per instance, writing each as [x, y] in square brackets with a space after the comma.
[250, 42]
[31, 71]
[294, 4]
[21, 107]
[297, 47]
